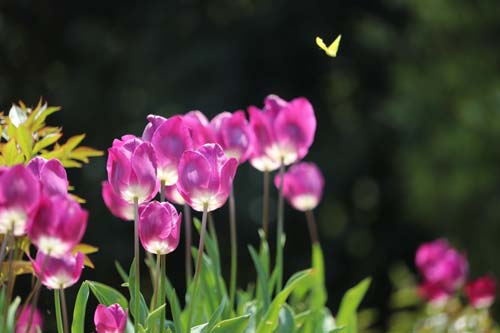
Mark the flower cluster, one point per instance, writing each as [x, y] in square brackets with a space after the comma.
[444, 271]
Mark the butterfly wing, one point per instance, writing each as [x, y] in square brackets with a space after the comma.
[321, 44]
[334, 47]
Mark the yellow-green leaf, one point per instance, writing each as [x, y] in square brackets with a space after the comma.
[10, 153]
[25, 141]
[46, 141]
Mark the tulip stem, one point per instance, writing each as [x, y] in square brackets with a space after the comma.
[162, 291]
[6, 239]
[265, 204]
[162, 190]
[57, 302]
[311, 224]
[234, 249]
[280, 237]
[64, 311]
[36, 291]
[188, 237]
[199, 265]
[137, 266]
[155, 303]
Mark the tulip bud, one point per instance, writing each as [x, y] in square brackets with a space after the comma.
[118, 207]
[482, 291]
[23, 321]
[434, 293]
[58, 273]
[111, 319]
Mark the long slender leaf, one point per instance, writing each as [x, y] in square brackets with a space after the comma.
[262, 277]
[107, 295]
[349, 305]
[233, 325]
[141, 313]
[78, 325]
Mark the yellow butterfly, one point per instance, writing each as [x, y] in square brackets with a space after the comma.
[330, 50]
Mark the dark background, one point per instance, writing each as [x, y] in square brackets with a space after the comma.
[408, 114]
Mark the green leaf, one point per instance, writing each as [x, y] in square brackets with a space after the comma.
[121, 271]
[10, 153]
[270, 320]
[25, 141]
[78, 325]
[215, 317]
[233, 325]
[141, 313]
[349, 305]
[107, 295]
[154, 318]
[175, 307]
[46, 141]
[286, 320]
[41, 115]
[265, 297]
[73, 142]
[11, 314]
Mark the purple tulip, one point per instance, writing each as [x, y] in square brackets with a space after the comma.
[264, 141]
[154, 122]
[52, 175]
[482, 291]
[199, 128]
[170, 140]
[19, 196]
[234, 134]
[23, 321]
[132, 169]
[111, 319]
[428, 254]
[434, 293]
[117, 206]
[206, 177]
[173, 195]
[58, 273]
[159, 227]
[303, 186]
[58, 225]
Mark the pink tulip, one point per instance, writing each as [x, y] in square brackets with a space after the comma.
[199, 127]
[51, 174]
[159, 227]
[234, 134]
[303, 186]
[58, 273]
[58, 225]
[170, 140]
[118, 207]
[264, 141]
[205, 177]
[23, 321]
[154, 122]
[132, 169]
[434, 293]
[428, 254]
[173, 195]
[19, 196]
[482, 291]
[111, 319]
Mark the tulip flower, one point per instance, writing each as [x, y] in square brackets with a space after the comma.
[173, 195]
[19, 196]
[23, 321]
[199, 127]
[58, 273]
[58, 225]
[481, 292]
[51, 174]
[302, 186]
[434, 293]
[234, 134]
[159, 227]
[170, 140]
[131, 169]
[428, 254]
[264, 141]
[111, 319]
[154, 122]
[117, 206]
[205, 177]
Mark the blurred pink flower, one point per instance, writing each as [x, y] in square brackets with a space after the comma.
[159, 227]
[199, 128]
[434, 293]
[58, 225]
[23, 320]
[206, 176]
[303, 186]
[51, 174]
[19, 196]
[234, 134]
[482, 291]
[117, 206]
[111, 319]
[58, 273]
[428, 254]
[131, 169]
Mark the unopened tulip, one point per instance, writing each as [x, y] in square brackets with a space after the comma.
[154, 122]
[19, 197]
[234, 134]
[132, 169]
[428, 254]
[170, 140]
[51, 174]
[58, 225]
[23, 321]
[117, 206]
[159, 227]
[482, 291]
[58, 273]
[173, 195]
[199, 127]
[434, 293]
[302, 186]
[111, 319]
[206, 177]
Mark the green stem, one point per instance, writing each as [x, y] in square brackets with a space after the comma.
[313, 230]
[162, 190]
[188, 240]
[154, 303]
[64, 311]
[137, 266]
[36, 293]
[265, 204]
[280, 236]
[162, 291]
[57, 302]
[234, 249]
[199, 266]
